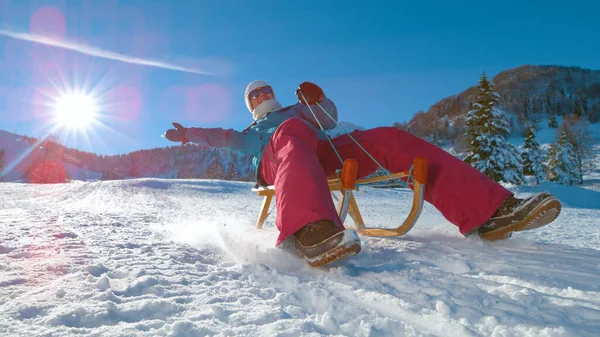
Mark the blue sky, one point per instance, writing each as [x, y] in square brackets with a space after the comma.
[379, 61]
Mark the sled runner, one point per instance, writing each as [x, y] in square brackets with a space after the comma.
[346, 182]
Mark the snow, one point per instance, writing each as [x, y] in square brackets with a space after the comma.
[342, 128]
[167, 257]
[162, 257]
[78, 173]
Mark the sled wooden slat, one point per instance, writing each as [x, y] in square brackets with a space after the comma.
[419, 174]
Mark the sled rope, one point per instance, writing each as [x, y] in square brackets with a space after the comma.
[321, 126]
[409, 179]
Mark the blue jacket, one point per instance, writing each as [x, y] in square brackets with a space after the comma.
[254, 138]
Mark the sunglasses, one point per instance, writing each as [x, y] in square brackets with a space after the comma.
[256, 92]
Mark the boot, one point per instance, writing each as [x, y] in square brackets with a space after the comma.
[516, 215]
[324, 242]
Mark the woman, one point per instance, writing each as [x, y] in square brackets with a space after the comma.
[291, 151]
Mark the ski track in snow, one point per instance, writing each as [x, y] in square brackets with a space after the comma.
[152, 257]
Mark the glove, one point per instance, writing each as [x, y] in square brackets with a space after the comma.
[178, 134]
[312, 92]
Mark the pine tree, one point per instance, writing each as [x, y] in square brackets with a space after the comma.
[578, 135]
[523, 118]
[532, 156]
[216, 169]
[47, 172]
[594, 114]
[526, 104]
[562, 166]
[577, 111]
[583, 102]
[488, 150]
[53, 149]
[2, 164]
[435, 140]
[553, 123]
[549, 105]
[525, 113]
[537, 106]
[232, 172]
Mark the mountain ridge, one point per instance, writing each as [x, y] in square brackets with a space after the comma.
[547, 89]
[184, 161]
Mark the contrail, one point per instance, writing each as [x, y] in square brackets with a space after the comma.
[92, 51]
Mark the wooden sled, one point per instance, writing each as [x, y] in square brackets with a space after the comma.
[346, 183]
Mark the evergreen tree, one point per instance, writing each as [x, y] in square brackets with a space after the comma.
[578, 135]
[553, 123]
[522, 118]
[583, 102]
[526, 109]
[53, 149]
[2, 164]
[135, 167]
[488, 151]
[216, 169]
[562, 166]
[594, 114]
[549, 105]
[537, 106]
[532, 156]
[232, 172]
[577, 111]
[47, 172]
[435, 139]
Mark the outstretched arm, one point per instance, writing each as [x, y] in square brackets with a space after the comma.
[217, 138]
[213, 137]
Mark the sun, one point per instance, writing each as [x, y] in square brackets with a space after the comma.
[75, 110]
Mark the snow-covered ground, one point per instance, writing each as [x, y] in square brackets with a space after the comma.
[153, 257]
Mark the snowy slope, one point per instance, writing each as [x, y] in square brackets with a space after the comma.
[154, 257]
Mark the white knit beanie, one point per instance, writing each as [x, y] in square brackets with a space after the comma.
[253, 85]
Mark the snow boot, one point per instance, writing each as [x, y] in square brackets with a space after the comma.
[516, 215]
[324, 242]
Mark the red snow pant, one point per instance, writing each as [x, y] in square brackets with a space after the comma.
[298, 163]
